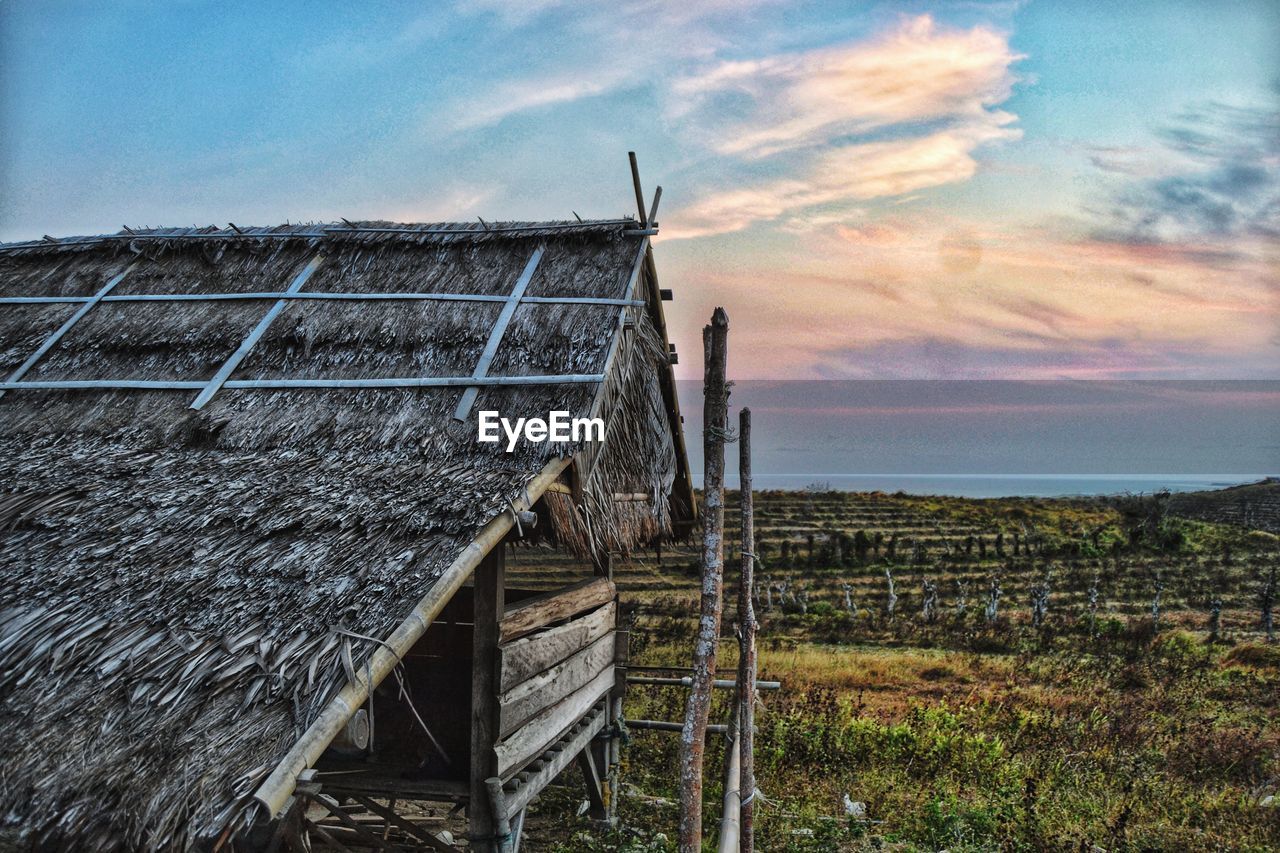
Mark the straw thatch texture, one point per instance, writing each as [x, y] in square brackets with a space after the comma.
[184, 590]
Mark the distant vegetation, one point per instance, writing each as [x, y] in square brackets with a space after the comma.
[982, 674]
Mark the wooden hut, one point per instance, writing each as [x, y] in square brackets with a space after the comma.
[253, 552]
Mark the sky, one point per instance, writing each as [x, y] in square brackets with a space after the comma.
[962, 190]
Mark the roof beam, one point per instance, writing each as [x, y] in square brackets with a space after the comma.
[53, 339]
[372, 297]
[238, 356]
[102, 384]
[278, 384]
[495, 335]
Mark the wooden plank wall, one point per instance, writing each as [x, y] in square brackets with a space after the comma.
[555, 663]
[542, 610]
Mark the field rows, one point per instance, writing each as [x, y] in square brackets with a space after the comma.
[796, 537]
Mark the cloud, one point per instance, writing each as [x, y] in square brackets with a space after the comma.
[1121, 159]
[879, 118]
[592, 50]
[350, 52]
[511, 15]
[519, 96]
[1215, 177]
[849, 173]
[915, 73]
[660, 13]
[943, 358]
[926, 294]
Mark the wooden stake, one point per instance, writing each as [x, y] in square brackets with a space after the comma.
[693, 736]
[747, 642]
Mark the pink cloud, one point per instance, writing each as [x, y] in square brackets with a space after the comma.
[847, 174]
[916, 72]
[802, 107]
[891, 299]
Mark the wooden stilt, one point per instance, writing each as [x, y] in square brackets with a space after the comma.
[487, 614]
[505, 841]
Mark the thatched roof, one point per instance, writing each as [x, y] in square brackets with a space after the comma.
[185, 589]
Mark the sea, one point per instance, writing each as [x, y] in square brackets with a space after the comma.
[978, 438]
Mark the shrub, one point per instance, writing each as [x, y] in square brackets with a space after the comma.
[1259, 655]
[949, 823]
[821, 609]
[1181, 651]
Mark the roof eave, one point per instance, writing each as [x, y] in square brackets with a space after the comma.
[277, 788]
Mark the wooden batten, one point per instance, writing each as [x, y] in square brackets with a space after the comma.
[543, 610]
[545, 728]
[524, 658]
[547, 688]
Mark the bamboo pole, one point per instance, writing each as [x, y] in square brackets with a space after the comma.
[666, 726]
[693, 736]
[747, 640]
[686, 681]
[731, 807]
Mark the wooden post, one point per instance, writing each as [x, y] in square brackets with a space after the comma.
[747, 642]
[693, 736]
[487, 613]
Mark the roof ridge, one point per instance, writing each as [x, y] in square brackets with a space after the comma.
[328, 230]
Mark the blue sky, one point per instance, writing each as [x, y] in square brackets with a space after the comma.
[888, 190]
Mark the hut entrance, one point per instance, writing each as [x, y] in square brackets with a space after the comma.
[416, 739]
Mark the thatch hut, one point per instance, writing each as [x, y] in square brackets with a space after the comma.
[240, 485]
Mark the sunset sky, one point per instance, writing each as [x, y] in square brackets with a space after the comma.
[885, 190]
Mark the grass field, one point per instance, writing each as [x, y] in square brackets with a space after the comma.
[1139, 710]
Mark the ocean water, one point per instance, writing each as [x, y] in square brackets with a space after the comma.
[1007, 485]
[1001, 438]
